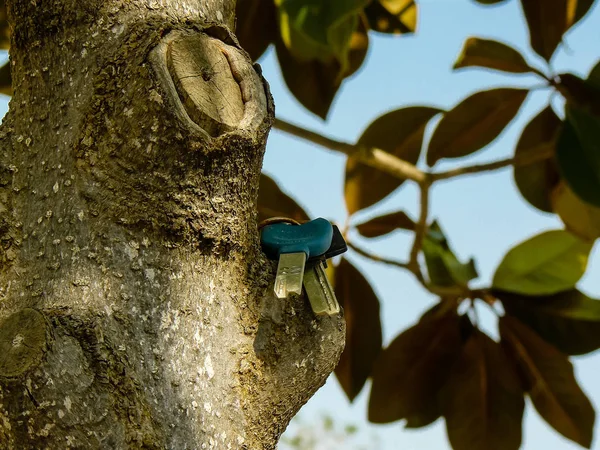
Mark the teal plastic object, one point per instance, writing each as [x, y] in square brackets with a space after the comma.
[313, 238]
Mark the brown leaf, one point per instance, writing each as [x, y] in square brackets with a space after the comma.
[580, 92]
[552, 386]
[478, 52]
[313, 83]
[489, 2]
[379, 226]
[398, 132]
[273, 202]
[4, 27]
[363, 328]
[256, 25]
[536, 181]
[578, 216]
[482, 401]
[6, 79]
[392, 16]
[474, 123]
[549, 21]
[407, 376]
[568, 320]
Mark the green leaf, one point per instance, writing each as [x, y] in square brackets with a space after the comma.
[256, 25]
[316, 30]
[579, 217]
[536, 181]
[474, 123]
[584, 94]
[382, 225]
[482, 401]
[578, 154]
[272, 202]
[545, 264]
[407, 376]
[594, 75]
[568, 320]
[547, 25]
[478, 52]
[442, 265]
[363, 328]
[392, 16]
[398, 132]
[550, 381]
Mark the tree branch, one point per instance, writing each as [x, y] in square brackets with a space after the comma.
[392, 165]
[420, 230]
[528, 157]
[373, 157]
[377, 258]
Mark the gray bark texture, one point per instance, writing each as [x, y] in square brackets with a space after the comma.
[136, 307]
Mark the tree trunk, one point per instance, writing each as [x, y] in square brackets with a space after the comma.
[136, 305]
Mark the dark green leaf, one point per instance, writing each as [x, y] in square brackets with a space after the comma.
[407, 376]
[594, 75]
[536, 181]
[569, 320]
[442, 265]
[379, 226]
[272, 202]
[398, 132]
[363, 328]
[579, 217]
[392, 16]
[5, 79]
[478, 52]
[256, 25]
[548, 23]
[550, 381]
[482, 401]
[583, 94]
[545, 264]
[578, 154]
[474, 123]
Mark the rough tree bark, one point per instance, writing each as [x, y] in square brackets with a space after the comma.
[136, 306]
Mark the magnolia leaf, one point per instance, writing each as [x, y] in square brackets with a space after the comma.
[407, 376]
[443, 267]
[4, 27]
[578, 154]
[363, 328]
[482, 401]
[536, 181]
[478, 52]
[594, 75]
[545, 264]
[272, 202]
[392, 16]
[316, 30]
[382, 225]
[583, 94]
[568, 320]
[398, 132]
[474, 123]
[6, 79]
[490, 2]
[256, 25]
[579, 217]
[550, 381]
[547, 24]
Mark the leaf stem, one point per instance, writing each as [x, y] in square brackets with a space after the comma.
[376, 258]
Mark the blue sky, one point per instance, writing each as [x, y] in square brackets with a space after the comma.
[482, 215]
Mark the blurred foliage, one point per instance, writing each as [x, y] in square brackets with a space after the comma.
[444, 365]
